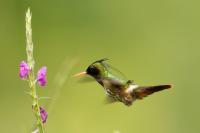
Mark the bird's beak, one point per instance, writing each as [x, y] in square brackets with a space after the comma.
[80, 74]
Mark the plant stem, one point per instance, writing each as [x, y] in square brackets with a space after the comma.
[32, 84]
[35, 102]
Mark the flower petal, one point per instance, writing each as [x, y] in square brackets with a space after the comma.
[24, 70]
[43, 114]
[41, 76]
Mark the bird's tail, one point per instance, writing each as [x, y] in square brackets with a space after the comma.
[147, 90]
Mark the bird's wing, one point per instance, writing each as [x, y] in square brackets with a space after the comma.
[114, 71]
[147, 90]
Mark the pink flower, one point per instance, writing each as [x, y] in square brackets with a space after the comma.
[24, 70]
[41, 76]
[43, 115]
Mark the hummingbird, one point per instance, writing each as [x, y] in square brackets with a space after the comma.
[119, 89]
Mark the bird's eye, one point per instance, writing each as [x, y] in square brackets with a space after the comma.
[93, 71]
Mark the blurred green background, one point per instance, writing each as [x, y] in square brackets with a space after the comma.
[151, 42]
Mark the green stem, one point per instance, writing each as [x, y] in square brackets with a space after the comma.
[35, 103]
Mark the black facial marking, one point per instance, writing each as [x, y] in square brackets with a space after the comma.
[93, 71]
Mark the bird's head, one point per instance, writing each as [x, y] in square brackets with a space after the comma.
[97, 69]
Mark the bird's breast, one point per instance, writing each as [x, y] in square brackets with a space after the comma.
[112, 94]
